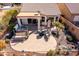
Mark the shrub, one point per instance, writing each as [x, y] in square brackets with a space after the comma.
[7, 41]
[69, 38]
[11, 27]
[2, 44]
[8, 14]
[58, 24]
[51, 53]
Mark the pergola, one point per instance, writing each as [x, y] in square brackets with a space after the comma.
[34, 10]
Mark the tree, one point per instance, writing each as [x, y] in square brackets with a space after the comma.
[7, 17]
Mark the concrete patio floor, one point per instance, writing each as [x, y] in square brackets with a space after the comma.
[33, 44]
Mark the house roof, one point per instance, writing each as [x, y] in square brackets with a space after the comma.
[73, 7]
[44, 8]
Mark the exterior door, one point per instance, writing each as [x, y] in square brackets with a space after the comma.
[29, 21]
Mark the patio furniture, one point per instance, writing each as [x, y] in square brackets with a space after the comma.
[46, 35]
[22, 34]
[41, 33]
[18, 39]
[54, 31]
[10, 34]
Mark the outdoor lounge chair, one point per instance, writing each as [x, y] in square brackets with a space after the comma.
[46, 35]
[18, 39]
[53, 33]
[40, 34]
[56, 34]
[10, 34]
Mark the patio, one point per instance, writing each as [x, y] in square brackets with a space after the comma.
[33, 44]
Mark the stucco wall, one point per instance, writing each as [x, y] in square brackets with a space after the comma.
[73, 7]
[73, 29]
[65, 11]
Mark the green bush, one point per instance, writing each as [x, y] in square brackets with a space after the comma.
[7, 41]
[58, 24]
[11, 26]
[69, 38]
[8, 15]
[51, 53]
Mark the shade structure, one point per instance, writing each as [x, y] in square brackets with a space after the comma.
[37, 11]
[43, 8]
[29, 14]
